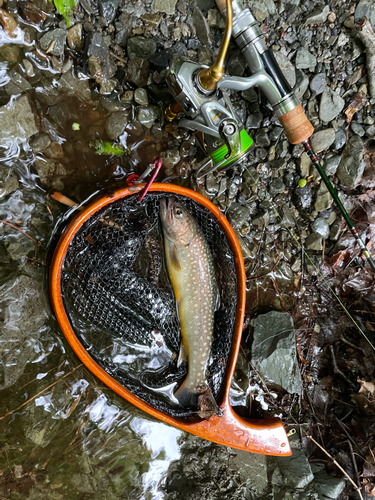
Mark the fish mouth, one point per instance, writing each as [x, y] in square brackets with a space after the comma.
[166, 206]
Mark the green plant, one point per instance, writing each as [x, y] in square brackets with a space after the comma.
[64, 7]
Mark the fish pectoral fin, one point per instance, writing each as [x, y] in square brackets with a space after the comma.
[182, 357]
[175, 259]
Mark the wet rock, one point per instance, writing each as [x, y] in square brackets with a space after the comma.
[166, 6]
[365, 8]
[201, 26]
[53, 42]
[318, 84]
[108, 9]
[8, 181]
[97, 51]
[254, 120]
[335, 230]
[238, 215]
[352, 164]
[161, 59]
[170, 158]
[314, 242]
[323, 198]
[74, 37]
[357, 129]
[215, 19]
[254, 472]
[116, 124]
[286, 67]
[236, 64]
[140, 46]
[293, 472]
[275, 133]
[23, 315]
[262, 138]
[302, 84]
[273, 350]
[318, 16]
[320, 226]
[331, 164]
[212, 185]
[137, 71]
[302, 197]
[18, 120]
[73, 86]
[11, 53]
[51, 173]
[277, 186]
[331, 104]
[146, 115]
[151, 19]
[141, 97]
[340, 139]
[323, 139]
[17, 84]
[305, 59]
[19, 247]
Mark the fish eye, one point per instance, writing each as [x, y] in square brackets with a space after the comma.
[178, 213]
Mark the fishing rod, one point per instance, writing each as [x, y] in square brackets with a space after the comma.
[201, 94]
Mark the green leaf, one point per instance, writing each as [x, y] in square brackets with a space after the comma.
[64, 7]
[107, 148]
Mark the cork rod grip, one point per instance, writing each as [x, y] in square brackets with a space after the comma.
[296, 125]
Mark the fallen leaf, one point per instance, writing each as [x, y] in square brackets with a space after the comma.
[367, 387]
[354, 106]
[369, 326]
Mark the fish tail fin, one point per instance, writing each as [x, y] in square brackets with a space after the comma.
[185, 396]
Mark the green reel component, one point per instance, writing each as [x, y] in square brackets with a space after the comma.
[220, 154]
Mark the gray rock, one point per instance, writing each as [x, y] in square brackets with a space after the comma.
[335, 231]
[293, 472]
[323, 198]
[301, 84]
[273, 351]
[17, 83]
[201, 26]
[108, 9]
[318, 84]
[277, 186]
[205, 4]
[254, 472]
[254, 120]
[19, 332]
[331, 104]
[262, 138]
[262, 8]
[318, 16]
[286, 67]
[97, 51]
[18, 120]
[51, 173]
[340, 139]
[73, 86]
[167, 6]
[323, 139]
[215, 19]
[53, 42]
[8, 181]
[365, 8]
[212, 185]
[357, 129]
[11, 53]
[320, 226]
[305, 59]
[314, 242]
[141, 97]
[327, 486]
[19, 247]
[146, 115]
[236, 64]
[74, 37]
[116, 124]
[276, 133]
[140, 46]
[238, 215]
[370, 131]
[40, 143]
[352, 163]
[331, 164]
[137, 71]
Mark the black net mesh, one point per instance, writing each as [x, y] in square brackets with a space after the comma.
[121, 305]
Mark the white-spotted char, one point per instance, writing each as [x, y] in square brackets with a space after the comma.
[192, 273]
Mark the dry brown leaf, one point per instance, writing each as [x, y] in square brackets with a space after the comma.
[354, 106]
[367, 387]
[369, 326]
[370, 490]
[368, 470]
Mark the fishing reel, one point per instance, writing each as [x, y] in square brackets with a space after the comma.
[201, 93]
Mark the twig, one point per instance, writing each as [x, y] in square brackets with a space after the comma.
[337, 464]
[336, 369]
[41, 392]
[354, 464]
[367, 37]
[23, 232]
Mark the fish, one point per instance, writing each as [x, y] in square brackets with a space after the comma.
[191, 270]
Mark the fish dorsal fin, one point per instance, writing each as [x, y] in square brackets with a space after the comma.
[182, 357]
[175, 259]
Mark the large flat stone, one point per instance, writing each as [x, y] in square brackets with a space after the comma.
[18, 120]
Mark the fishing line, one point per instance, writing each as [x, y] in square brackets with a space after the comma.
[307, 256]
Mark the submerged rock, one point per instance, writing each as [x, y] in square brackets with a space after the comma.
[73, 86]
[273, 350]
[8, 181]
[116, 124]
[18, 120]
